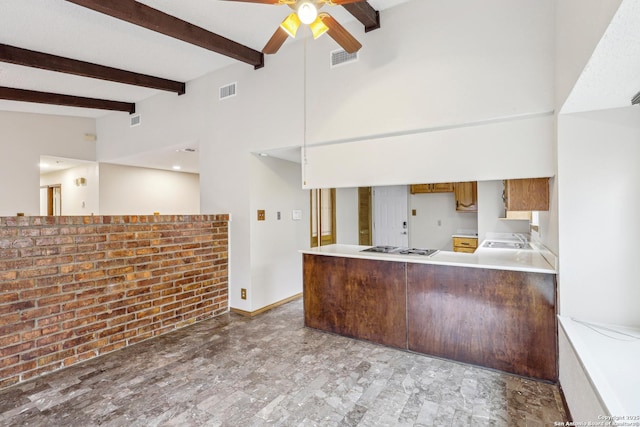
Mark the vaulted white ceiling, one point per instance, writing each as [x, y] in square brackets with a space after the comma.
[65, 29]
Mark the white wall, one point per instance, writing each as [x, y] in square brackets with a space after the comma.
[347, 216]
[76, 200]
[579, 26]
[599, 183]
[276, 265]
[126, 190]
[434, 64]
[491, 209]
[415, 73]
[507, 149]
[424, 231]
[23, 139]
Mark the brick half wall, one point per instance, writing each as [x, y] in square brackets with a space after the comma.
[72, 288]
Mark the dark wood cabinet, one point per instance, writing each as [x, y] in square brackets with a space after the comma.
[499, 319]
[531, 194]
[356, 298]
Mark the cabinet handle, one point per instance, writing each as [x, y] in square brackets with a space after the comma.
[464, 243]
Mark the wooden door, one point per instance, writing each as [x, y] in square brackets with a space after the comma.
[364, 216]
[390, 215]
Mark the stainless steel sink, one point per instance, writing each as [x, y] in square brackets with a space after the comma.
[506, 245]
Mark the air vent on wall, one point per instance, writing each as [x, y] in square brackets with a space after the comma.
[228, 91]
[636, 99]
[135, 120]
[340, 57]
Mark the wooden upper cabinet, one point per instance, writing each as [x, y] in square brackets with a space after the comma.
[442, 187]
[531, 194]
[466, 196]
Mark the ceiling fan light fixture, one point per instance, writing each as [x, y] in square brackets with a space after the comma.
[318, 28]
[291, 24]
[307, 12]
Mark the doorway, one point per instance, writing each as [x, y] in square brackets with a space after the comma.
[390, 215]
[51, 200]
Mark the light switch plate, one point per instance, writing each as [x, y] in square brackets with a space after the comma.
[296, 214]
[261, 215]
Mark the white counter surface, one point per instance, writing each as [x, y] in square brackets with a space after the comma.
[497, 259]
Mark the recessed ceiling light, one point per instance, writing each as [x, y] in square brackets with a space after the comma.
[177, 168]
[264, 155]
[43, 165]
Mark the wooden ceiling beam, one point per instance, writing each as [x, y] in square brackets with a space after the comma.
[45, 61]
[152, 19]
[24, 95]
[364, 13]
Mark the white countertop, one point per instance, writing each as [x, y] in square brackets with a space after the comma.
[609, 354]
[498, 259]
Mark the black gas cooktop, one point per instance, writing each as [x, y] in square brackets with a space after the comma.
[399, 250]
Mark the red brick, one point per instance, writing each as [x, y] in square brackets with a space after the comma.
[39, 371]
[9, 361]
[113, 347]
[17, 348]
[9, 339]
[57, 299]
[40, 351]
[17, 369]
[77, 341]
[55, 357]
[17, 285]
[16, 307]
[78, 322]
[54, 280]
[53, 338]
[55, 319]
[63, 259]
[40, 312]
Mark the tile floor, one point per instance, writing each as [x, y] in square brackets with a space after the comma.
[270, 370]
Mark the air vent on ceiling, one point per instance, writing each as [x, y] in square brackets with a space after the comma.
[228, 91]
[340, 57]
[135, 120]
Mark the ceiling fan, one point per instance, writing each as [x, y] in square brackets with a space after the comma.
[307, 12]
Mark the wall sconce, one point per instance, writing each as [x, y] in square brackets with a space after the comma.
[81, 182]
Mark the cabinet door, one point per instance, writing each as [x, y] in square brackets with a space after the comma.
[419, 188]
[466, 196]
[464, 243]
[442, 187]
[530, 194]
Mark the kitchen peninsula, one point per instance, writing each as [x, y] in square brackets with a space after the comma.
[494, 308]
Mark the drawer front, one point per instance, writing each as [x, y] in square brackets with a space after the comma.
[464, 249]
[466, 242]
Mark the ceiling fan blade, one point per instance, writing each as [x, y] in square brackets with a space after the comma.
[277, 39]
[259, 1]
[340, 34]
[340, 2]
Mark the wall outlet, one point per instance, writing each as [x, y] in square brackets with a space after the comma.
[278, 216]
[261, 215]
[243, 293]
